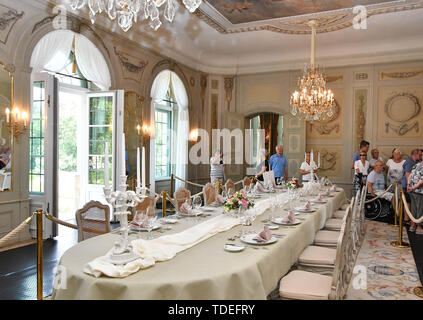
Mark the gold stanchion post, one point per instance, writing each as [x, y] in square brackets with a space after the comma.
[164, 202]
[172, 190]
[399, 243]
[396, 205]
[39, 254]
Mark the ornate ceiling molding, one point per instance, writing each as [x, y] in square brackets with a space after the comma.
[328, 21]
[8, 18]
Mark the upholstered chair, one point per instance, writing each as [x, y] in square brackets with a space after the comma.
[92, 220]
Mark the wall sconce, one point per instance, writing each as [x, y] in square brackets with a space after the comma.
[16, 122]
[193, 135]
[145, 131]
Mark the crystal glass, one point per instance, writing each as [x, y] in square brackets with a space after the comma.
[151, 218]
[196, 202]
[224, 195]
[279, 181]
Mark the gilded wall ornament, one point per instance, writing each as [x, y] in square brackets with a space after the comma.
[323, 127]
[131, 64]
[229, 86]
[400, 75]
[361, 120]
[395, 102]
[8, 18]
[403, 128]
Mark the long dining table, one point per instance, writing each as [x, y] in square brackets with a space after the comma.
[204, 271]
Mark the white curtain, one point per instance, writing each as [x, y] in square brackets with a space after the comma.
[182, 134]
[52, 52]
[91, 62]
[158, 93]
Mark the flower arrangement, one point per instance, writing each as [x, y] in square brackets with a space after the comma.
[239, 200]
[293, 184]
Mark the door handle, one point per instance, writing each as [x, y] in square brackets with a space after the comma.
[48, 207]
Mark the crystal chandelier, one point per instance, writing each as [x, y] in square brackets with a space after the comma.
[129, 11]
[312, 101]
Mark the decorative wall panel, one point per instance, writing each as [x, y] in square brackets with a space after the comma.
[401, 74]
[132, 67]
[331, 160]
[399, 112]
[360, 110]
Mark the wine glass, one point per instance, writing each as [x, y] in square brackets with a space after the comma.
[279, 181]
[230, 192]
[151, 218]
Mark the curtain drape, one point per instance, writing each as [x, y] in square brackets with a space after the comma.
[158, 93]
[91, 62]
[53, 50]
[182, 134]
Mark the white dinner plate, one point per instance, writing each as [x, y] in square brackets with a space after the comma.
[170, 220]
[281, 222]
[198, 213]
[278, 187]
[272, 227]
[248, 238]
[215, 204]
[207, 209]
[233, 248]
[137, 228]
[321, 201]
[299, 209]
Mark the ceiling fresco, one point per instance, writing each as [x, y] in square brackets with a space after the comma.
[243, 11]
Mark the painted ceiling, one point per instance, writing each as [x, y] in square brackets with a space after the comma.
[244, 11]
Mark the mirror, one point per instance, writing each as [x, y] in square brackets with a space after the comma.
[6, 141]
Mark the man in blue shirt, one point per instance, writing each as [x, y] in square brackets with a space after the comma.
[364, 148]
[408, 165]
[279, 164]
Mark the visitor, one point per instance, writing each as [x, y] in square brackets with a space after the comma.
[361, 170]
[216, 167]
[364, 148]
[263, 165]
[305, 168]
[279, 164]
[415, 189]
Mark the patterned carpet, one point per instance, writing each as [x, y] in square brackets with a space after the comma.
[391, 272]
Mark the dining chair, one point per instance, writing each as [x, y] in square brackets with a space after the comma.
[209, 194]
[321, 259]
[328, 238]
[180, 196]
[246, 182]
[229, 185]
[335, 223]
[305, 285]
[92, 220]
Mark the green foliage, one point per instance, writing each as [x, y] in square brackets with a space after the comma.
[67, 143]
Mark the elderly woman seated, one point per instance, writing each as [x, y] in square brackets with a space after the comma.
[376, 182]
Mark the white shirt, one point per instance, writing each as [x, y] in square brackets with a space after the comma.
[395, 171]
[307, 167]
[362, 169]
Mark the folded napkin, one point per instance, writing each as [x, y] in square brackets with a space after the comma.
[263, 236]
[290, 218]
[333, 188]
[258, 187]
[307, 206]
[185, 208]
[140, 220]
[326, 193]
[219, 199]
[318, 198]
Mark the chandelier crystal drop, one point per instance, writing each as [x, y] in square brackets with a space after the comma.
[127, 12]
[312, 101]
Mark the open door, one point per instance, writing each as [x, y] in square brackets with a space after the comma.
[42, 164]
[294, 143]
[104, 123]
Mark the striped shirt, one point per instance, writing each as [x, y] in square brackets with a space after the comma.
[216, 170]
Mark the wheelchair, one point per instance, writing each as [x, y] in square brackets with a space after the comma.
[379, 210]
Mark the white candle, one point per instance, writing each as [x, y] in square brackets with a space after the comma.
[305, 156]
[106, 166]
[143, 167]
[138, 168]
[123, 156]
[311, 156]
[7, 115]
[318, 161]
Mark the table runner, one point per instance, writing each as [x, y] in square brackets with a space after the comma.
[167, 246]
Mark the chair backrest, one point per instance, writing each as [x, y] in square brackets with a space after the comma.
[343, 252]
[181, 195]
[209, 194]
[229, 185]
[363, 200]
[145, 203]
[92, 219]
[246, 181]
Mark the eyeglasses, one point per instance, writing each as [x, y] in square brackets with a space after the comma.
[363, 155]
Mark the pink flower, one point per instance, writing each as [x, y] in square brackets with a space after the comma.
[244, 203]
[231, 199]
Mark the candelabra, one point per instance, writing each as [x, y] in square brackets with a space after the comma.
[121, 200]
[14, 126]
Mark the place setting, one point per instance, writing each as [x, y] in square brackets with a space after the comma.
[306, 208]
[289, 220]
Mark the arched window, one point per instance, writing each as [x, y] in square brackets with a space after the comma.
[170, 121]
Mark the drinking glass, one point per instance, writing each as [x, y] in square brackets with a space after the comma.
[151, 217]
[231, 192]
[279, 181]
[225, 195]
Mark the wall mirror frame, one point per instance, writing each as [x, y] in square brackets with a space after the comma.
[6, 138]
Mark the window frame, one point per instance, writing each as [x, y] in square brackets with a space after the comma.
[162, 107]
